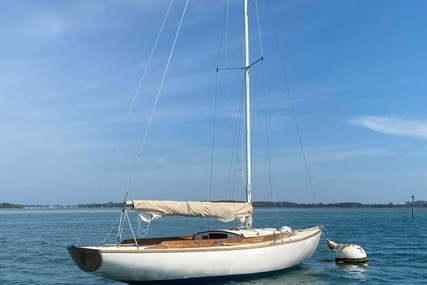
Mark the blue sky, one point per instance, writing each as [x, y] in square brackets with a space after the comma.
[69, 71]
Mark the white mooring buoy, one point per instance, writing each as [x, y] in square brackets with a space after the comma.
[348, 253]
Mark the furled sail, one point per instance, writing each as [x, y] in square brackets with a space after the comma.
[223, 211]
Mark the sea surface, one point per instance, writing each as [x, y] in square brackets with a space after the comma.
[33, 244]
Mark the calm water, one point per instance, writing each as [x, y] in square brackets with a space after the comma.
[33, 244]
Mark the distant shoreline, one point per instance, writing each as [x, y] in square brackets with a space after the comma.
[256, 204]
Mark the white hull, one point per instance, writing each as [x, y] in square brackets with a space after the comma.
[129, 263]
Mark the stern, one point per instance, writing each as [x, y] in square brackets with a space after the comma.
[88, 260]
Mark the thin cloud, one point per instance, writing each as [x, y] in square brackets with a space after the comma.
[393, 126]
[339, 154]
[329, 153]
[45, 25]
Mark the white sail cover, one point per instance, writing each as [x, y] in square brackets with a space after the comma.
[223, 211]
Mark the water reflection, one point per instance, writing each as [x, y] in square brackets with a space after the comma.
[354, 271]
[299, 275]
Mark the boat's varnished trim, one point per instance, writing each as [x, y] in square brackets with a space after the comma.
[88, 260]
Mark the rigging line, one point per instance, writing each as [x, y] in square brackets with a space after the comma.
[293, 109]
[259, 29]
[133, 102]
[224, 22]
[270, 169]
[265, 132]
[226, 48]
[111, 229]
[120, 228]
[235, 163]
[131, 229]
[156, 100]
[267, 143]
[213, 136]
[232, 167]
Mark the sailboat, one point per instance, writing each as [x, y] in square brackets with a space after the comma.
[222, 253]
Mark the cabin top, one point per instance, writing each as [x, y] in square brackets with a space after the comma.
[235, 233]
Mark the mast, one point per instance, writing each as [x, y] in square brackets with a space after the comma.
[248, 221]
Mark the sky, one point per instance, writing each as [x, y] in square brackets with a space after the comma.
[69, 71]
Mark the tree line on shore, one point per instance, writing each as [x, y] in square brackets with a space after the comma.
[256, 204]
[10, 206]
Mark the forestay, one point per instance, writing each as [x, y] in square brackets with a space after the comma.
[225, 212]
